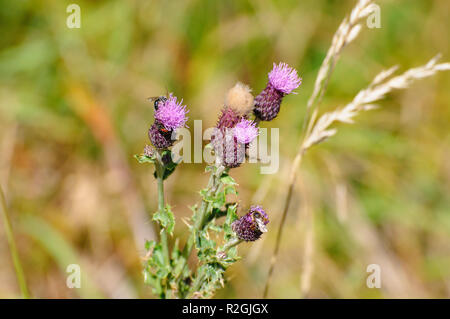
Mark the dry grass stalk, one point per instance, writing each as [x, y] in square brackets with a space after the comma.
[347, 31]
[308, 250]
[363, 101]
[318, 131]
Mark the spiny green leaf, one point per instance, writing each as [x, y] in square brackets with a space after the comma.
[219, 200]
[230, 190]
[150, 244]
[231, 213]
[231, 217]
[166, 219]
[227, 179]
[169, 165]
[158, 257]
[215, 228]
[144, 159]
[204, 192]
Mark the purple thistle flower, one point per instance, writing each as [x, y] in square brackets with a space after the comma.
[245, 131]
[228, 150]
[282, 81]
[252, 225]
[171, 114]
[284, 78]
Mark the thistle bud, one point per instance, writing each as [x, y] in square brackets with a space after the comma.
[282, 81]
[160, 137]
[231, 138]
[251, 226]
[149, 151]
[227, 119]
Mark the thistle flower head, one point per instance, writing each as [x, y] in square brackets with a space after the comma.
[282, 81]
[245, 131]
[171, 114]
[284, 78]
[240, 99]
[160, 138]
[228, 118]
[259, 218]
[227, 149]
[252, 225]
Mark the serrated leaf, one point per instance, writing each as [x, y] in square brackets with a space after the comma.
[169, 165]
[217, 213]
[215, 228]
[203, 192]
[231, 217]
[230, 190]
[231, 213]
[166, 219]
[157, 256]
[219, 200]
[227, 179]
[150, 244]
[141, 158]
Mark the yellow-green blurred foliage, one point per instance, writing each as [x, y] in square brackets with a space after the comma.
[73, 111]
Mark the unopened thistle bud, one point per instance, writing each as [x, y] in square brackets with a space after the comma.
[282, 81]
[222, 137]
[228, 119]
[169, 116]
[252, 225]
[240, 99]
[160, 137]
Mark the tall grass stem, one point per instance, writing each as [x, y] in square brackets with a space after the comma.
[12, 246]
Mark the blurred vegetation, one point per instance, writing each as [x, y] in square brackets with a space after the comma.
[73, 111]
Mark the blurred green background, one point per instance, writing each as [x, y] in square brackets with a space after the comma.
[73, 112]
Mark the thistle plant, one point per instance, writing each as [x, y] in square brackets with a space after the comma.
[215, 230]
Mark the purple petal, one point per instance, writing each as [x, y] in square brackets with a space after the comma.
[245, 131]
[284, 78]
[171, 114]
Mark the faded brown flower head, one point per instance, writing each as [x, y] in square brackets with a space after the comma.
[240, 99]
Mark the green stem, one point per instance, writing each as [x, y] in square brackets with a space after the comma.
[197, 284]
[161, 207]
[214, 185]
[199, 218]
[231, 244]
[12, 246]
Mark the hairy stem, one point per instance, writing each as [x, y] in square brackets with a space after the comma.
[213, 187]
[161, 207]
[201, 215]
[12, 246]
[231, 244]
